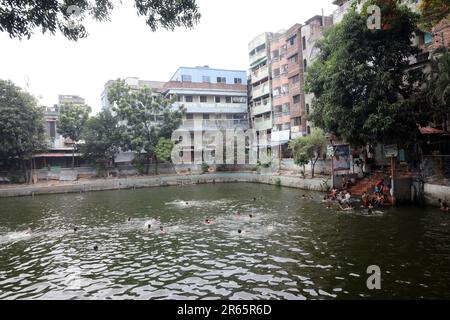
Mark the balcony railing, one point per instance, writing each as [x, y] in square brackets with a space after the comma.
[260, 74]
[262, 108]
[260, 91]
[197, 107]
[257, 56]
[217, 124]
[263, 124]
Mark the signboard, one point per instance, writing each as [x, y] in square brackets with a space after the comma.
[330, 151]
[390, 150]
[341, 154]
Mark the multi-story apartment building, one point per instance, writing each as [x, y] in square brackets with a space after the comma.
[312, 31]
[64, 98]
[135, 84]
[277, 86]
[59, 152]
[214, 99]
[287, 86]
[260, 87]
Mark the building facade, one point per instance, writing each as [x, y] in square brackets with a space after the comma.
[312, 31]
[134, 83]
[214, 99]
[260, 84]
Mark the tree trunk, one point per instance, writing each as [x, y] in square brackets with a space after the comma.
[313, 164]
[147, 169]
[155, 158]
[73, 156]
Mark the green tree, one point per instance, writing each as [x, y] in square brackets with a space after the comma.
[22, 131]
[309, 148]
[364, 91]
[438, 87]
[102, 138]
[432, 12]
[72, 119]
[19, 18]
[164, 149]
[146, 118]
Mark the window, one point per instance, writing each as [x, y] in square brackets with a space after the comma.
[239, 100]
[237, 80]
[427, 38]
[217, 99]
[292, 40]
[296, 99]
[203, 99]
[228, 99]
[294, 59]
[284, 69]
[285, 109]
[285, 89]
[179, 98]
[296, 121]
[283, 51]
[186, 78]
[276, 92]
[206, 116]
[305, 64]
[189, 98]
[206, 79]
[307, 108]
[221, 80]
[276, 73]
[275, 55]
[304, 43]
[295, 79]
[190, 116]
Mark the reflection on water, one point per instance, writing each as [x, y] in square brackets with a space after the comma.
[291, 247]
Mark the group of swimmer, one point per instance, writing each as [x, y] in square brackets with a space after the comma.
[343, 199]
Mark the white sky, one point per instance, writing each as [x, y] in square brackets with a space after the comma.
[125, 47]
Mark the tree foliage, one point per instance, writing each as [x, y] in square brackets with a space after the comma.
[309, 148]
[145, 117]
[364, 92]
[438, 87]
[22, 131]
[164, 148]
[102, 137]
[72, 119]
[432, 12]
[19, 18]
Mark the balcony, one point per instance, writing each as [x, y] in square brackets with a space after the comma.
[260, 91]
[214, 124]
[260, 55]
[260, 74]
[263, 124]
[196, 107]
[341, 11]
[262, 108]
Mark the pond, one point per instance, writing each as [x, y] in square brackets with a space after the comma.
[292, 247]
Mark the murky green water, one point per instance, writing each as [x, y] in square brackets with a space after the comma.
[292, 248]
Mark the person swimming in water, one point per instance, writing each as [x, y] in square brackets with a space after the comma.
[96, 248]
[254, 199]
[75, 229]
[239, 231]
[250, 215]
[129, 219]
[149, 226]
[161, 229]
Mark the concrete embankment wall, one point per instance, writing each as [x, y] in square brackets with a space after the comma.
[162, 181]
[433, 192]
